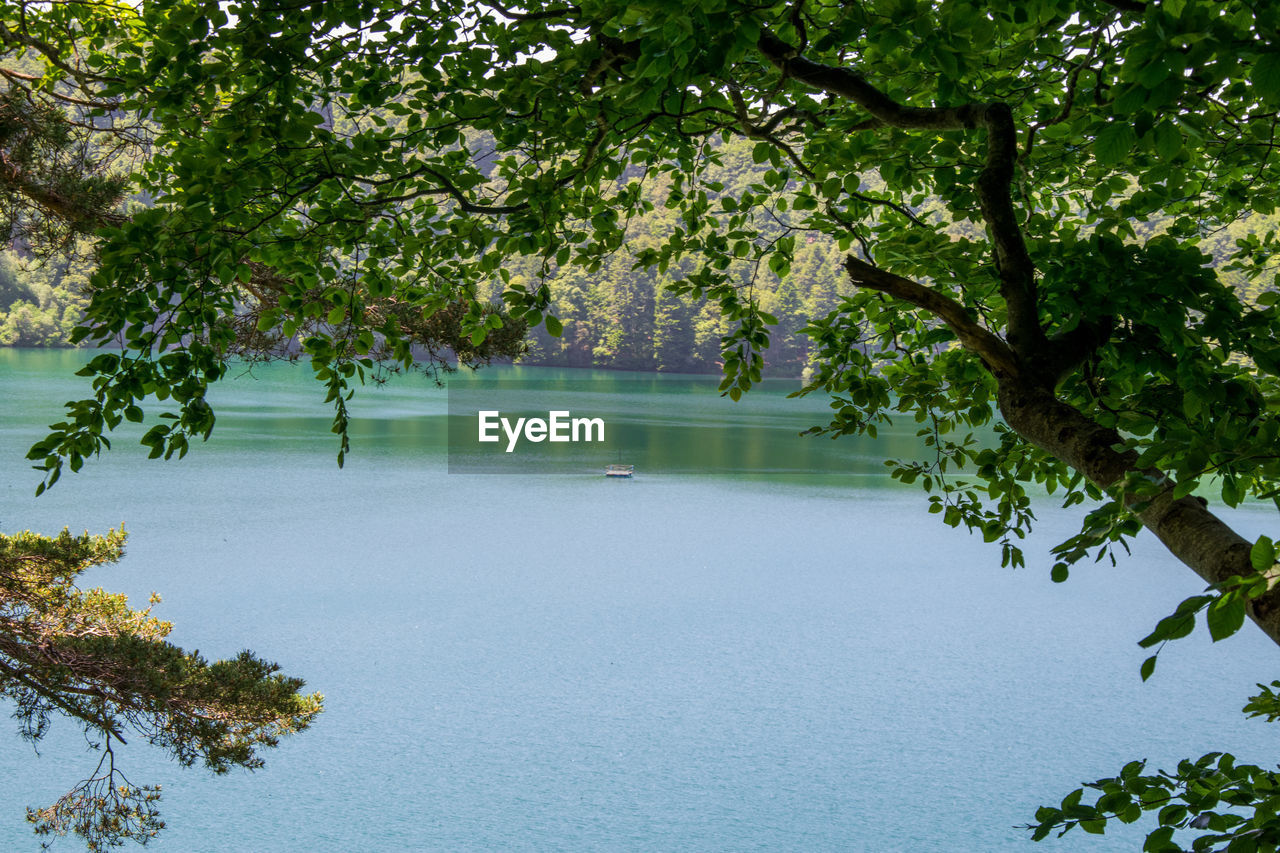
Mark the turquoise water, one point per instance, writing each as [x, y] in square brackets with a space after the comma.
[552, 661]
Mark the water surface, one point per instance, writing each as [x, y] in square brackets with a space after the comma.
[552, 661]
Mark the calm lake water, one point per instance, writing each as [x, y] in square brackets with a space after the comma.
[789, 656]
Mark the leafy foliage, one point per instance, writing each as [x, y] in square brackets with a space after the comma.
[41, 302]
[1027, 198]
[54, 188]
[88, 656]
[1232, 806]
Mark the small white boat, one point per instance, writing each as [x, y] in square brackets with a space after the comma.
[619, 470]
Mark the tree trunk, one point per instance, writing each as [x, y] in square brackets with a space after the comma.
[1194, 535]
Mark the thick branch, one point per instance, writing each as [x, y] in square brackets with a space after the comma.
[975, 337]
[56, 203]
[995, 197]
[545, 14]
[20, 40]
[1187, 528]
[1135, 6]
[850, 85]
[34, 684]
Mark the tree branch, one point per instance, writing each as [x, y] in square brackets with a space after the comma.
[1135, 6]
[50, 53]
[1187, 528]
[34, 684]
[995, 196]
[545, 14]
[975, 337]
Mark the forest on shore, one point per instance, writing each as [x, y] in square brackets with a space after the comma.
[618, 317]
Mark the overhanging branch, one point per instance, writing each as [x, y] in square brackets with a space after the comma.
[975, 337]
[1193, 534]
[995, 197]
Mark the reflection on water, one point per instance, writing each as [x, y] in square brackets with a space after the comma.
[662, 424]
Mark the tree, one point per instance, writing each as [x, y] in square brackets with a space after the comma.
[85, 654]
[40, 300]
[673, 338]
[88, 656]
[981, 166]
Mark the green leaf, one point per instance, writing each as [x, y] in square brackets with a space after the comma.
[1155, 73]
[1168, 139]
[1114, 143]
[1231, 492]
[1225, 617]
[268, 319]
[1173, 627]
[1193, 604]
[554, 327]
[1148, 667]
[1131, 99]
[1059, 572]
[1266, 77]
[1160, 841]
[1262, 555]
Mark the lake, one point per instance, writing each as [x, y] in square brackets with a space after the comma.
[774, 651]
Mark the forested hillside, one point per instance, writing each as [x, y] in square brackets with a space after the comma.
[40, 301]
[616, 317]
[624, 318]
